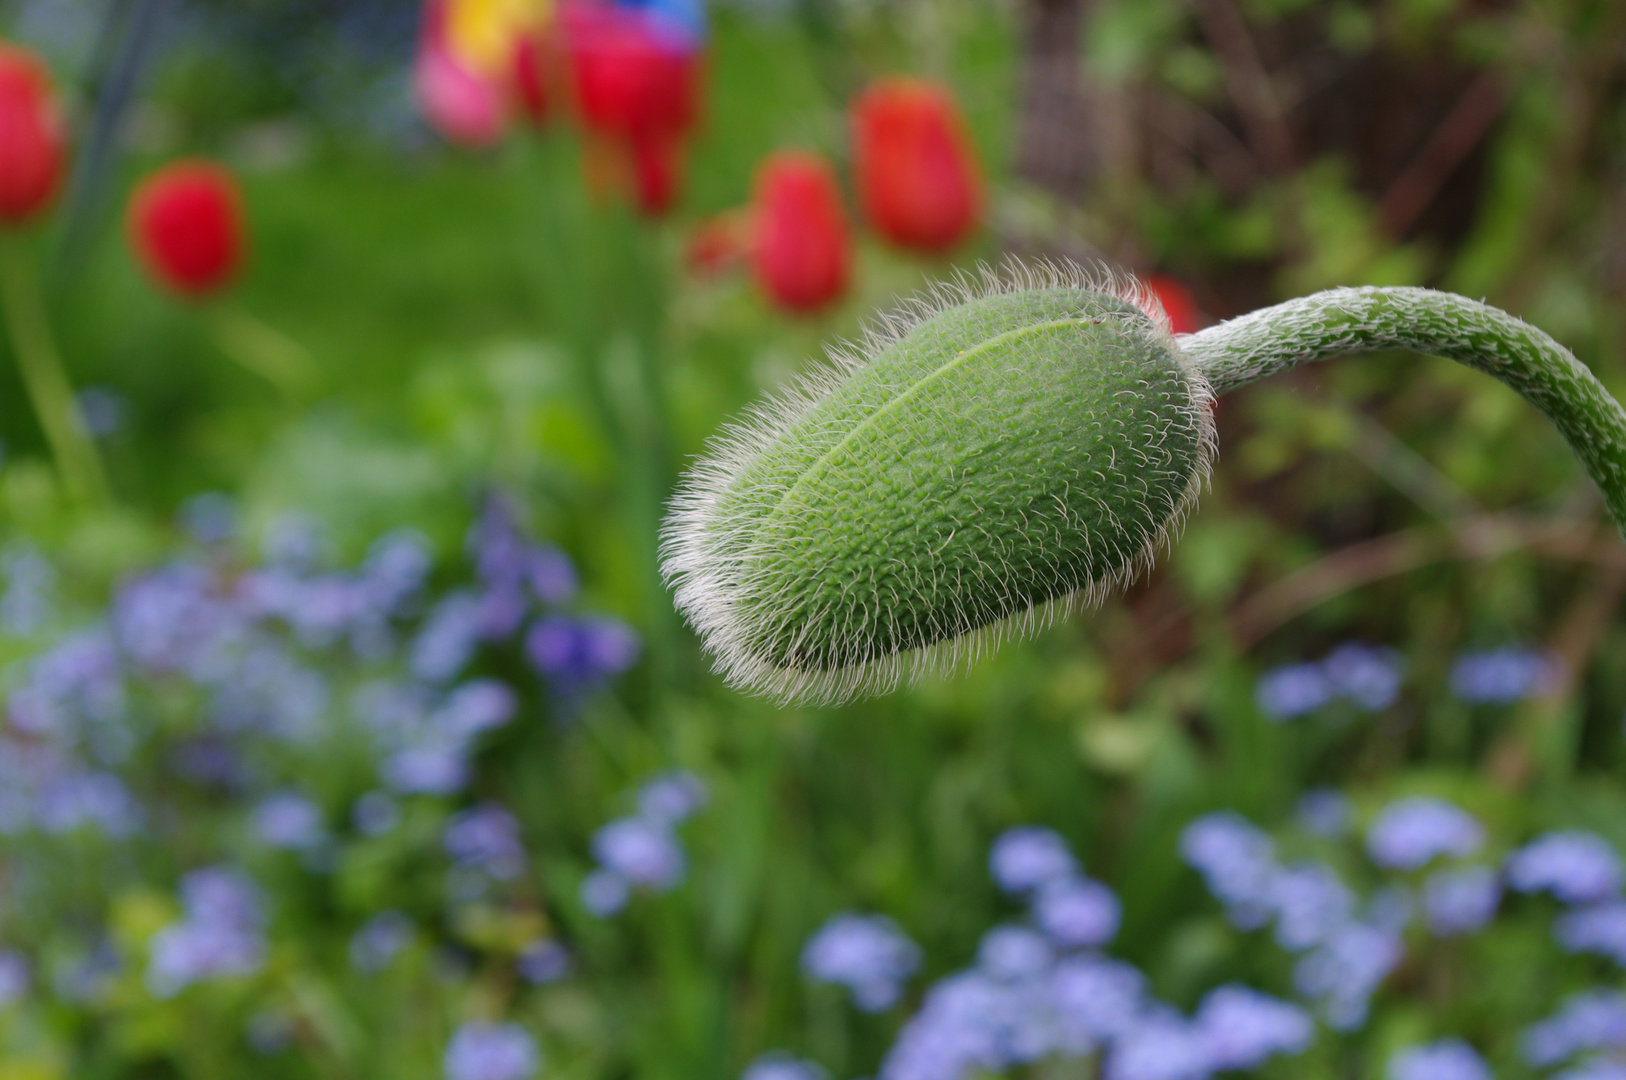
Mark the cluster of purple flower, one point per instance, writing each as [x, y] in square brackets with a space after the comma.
[222, 932]
[1074, 911]
[1370, 679]
[428, 727]
[29, 601]
[379, 941]
[1576, 867]
[1600, 929]
[1410, 833]
[1349, 947]
[1044, 990]
[485, 1051]
[485, 839]
[1583, 872]
[289, 820]
[1366, 676]
[1447, 1059]
[543, 961]
[15, 975]
[1501, 676]
[867, 954]
[427, 735]
[229, 678]
[1345, 953]
[1460, 900]
[1325, 812]
[1593, 1021]
[782, 1067]
[248, 641]
[67, 710]
[642, 851]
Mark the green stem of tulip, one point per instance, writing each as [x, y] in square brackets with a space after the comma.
[44, 377]
[1372, 319]
[268, 353]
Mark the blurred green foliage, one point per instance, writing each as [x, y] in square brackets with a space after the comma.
[481, 322]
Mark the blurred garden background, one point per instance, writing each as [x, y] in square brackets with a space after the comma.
[350, 731]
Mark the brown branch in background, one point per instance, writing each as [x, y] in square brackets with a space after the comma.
[1512, 761]
[1053, 145]
[1463, 128]
[1476, 539]
[1167, 634]
[1249, 85]
[1200, 133]
[1589, 79]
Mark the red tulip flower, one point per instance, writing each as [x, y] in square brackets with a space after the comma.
[533, 55]
[657, 168]
[631, 73]
[917, 176]
[635, 83]
[32, 144]
[186, 224]
[802, 250]
[1177, 303]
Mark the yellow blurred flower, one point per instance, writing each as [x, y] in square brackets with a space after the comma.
[482, 33]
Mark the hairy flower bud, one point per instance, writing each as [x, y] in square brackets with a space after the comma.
[985, 459]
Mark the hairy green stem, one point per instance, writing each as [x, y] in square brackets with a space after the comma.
[1373, 319]
[44, 377]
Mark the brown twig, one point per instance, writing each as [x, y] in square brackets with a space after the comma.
[1463, 128]
[1481, 538]
[1512, 761]
[1589, 79]
[1167, 634]
[1053, 145]
[1201, 134]
[1249, 85]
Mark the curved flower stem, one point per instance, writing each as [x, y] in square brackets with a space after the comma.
[1374, 319]
[268, 353]
[44, 377]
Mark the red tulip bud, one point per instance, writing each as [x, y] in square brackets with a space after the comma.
[533, 63]
[1177, 302]
[916, 174]
[657, 161]
[802, 250]
[632, 75]
[31, 137]
[186, 224]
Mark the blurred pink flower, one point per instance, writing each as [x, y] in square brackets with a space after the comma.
[463, 104]
[471, 54]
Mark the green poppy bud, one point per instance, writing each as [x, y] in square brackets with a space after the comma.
[983, 460]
